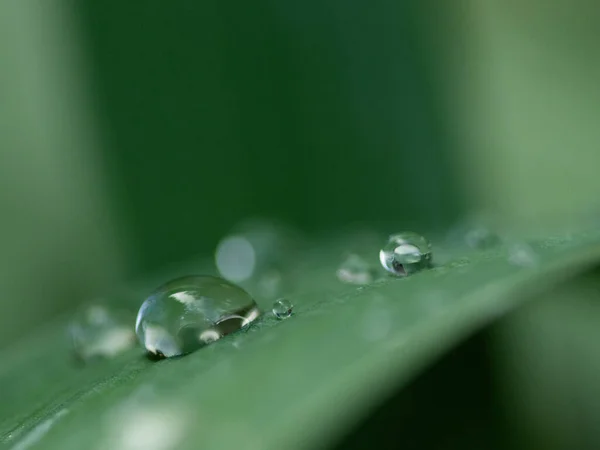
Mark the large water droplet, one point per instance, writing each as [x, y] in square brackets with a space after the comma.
[97, 331]
[190, 312]
[283, 308]
[405, 253]
[355, 270]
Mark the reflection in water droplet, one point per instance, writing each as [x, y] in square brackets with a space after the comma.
[355, 270]
[283, 308]
[210, 335]
[405, 253]
[190, 312]
[521, 254]
[98, 332]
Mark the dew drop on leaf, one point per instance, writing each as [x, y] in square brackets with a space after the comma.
[405, 253]
[190, 312]
[282, 308]
[355, 270]
[521, 254]
[100, 332]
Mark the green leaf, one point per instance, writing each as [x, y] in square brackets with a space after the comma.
[280, 384]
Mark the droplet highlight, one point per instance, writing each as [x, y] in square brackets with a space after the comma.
[405, 254]
[283, 308]
[355, 270]
[99, 332]
[190, 312]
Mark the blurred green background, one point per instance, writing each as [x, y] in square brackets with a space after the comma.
[321, 114]
[135, 134]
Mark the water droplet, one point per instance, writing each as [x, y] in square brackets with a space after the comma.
[283, 308]
[235, 258]
[253, 248]
[478, 231]
[355, 270]
[190, 312]
[522, 255]
[481, 237]
[405, 253]
[98, 332]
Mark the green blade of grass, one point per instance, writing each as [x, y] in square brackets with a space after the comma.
[280, 384]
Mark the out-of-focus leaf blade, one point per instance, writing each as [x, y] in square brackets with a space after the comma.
[279, 384]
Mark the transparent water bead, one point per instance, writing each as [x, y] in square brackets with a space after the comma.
[99, 332]
[481, 237]
[521, 254]
[477, 231]
[190, 312]
[405, 253]
[253, 248]
[283, 308]
[355, 270]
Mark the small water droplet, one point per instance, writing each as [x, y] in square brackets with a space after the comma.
[191, 312]
[253, 248]
[405, 253]
[481, 237]
[355, 270]
[283, 308]
[522, 255]
[235, 258]
[99, 332]
[477, 230]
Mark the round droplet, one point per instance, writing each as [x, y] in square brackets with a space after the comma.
[405, 253]
[236, 258]
[521, 254]
[477, 230]
[481, 237]
[253, 248]
[191, 312]
[99, 332]
[355, 270]
[283, 308]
